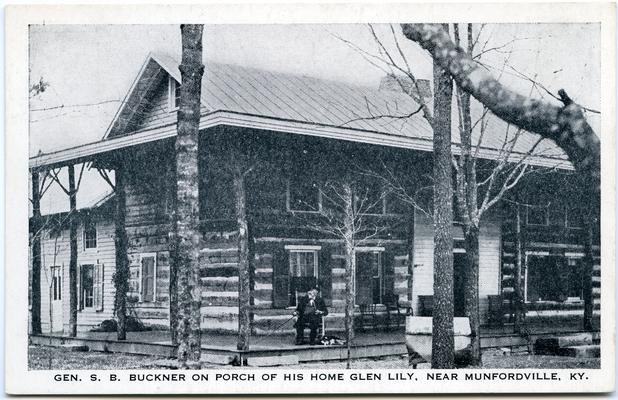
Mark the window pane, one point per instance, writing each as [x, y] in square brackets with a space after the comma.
[304, 195]
[537, 215]
[556, 215]
[87, 285]
[575, 218]
[369, 199]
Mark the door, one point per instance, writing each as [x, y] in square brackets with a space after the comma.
[368, 277]
[459, 263]
[56, 299]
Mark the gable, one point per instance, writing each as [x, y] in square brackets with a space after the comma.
[146, 104]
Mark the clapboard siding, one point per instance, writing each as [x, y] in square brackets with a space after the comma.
[489, 260]
[56, 252]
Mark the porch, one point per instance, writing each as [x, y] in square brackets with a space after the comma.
[220, 348]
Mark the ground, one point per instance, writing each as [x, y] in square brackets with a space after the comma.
[44, 357]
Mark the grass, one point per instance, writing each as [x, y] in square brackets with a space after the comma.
[53, 358]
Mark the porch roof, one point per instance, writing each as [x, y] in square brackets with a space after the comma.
[252, 98]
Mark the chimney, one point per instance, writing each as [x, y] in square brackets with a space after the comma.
[402, 83]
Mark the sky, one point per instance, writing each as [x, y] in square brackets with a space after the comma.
[89, 68]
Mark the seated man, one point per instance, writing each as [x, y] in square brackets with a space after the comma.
[309, 312]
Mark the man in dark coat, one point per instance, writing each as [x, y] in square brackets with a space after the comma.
[309, 311]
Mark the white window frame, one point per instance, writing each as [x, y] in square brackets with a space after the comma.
[58, 290]
[171, 94]
[82, 295]
[154, 277]
[92, 224]
[367, 249]
[299, 249]
[288, 203]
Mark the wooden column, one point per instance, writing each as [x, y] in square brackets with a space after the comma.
[36, 255]
[121, 276]
[73, 254]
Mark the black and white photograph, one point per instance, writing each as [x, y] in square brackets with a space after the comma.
[417, 203]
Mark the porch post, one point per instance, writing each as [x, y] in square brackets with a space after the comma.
[520, 305]
[121, 277]
[410, 240]
[36, 255]
[73, 256]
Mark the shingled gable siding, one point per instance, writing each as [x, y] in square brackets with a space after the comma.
[489, 260]
[55, 252]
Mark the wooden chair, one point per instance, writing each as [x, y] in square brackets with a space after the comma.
[368, 314]
[391, 302]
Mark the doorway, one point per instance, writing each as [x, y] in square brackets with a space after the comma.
[459, 264]
[56, 299]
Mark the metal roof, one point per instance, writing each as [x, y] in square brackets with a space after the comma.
[298, 101]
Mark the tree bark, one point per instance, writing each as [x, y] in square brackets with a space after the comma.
[73, 253]
[350, 266]
[589, 224]
[442, 331]
[36, 257]
[471, 291]
[121, 276]
[187, 232]
[520, 310]
[566, 125]
[244, 288]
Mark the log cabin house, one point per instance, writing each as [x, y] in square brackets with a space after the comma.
[299, 134]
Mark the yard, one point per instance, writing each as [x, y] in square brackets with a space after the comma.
[45, 358]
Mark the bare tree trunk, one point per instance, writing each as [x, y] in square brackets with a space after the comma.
[73, 253]
[36, 256]
[520, 310]
[350, 266]
[471, 291]
[588, 271]
[443, 336]
[121, 276]
[187, 231]
[244, 289]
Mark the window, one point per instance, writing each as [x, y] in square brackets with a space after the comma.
[87, 286]
[90, 236]
[55, 233]
[143, 277]
[303, 271]
[537, 215]
[90, 286]
[174, 94]
[148, 263]
[368, 277]
[556, 215]
[56, 290]
[575, 218]
[553, 278]
[304, 195]
[369, 198]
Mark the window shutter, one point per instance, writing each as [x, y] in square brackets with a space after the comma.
[325, 281]
[148, 264]
[281, 277]
[388, 271]
[98, 287]
[80, 295]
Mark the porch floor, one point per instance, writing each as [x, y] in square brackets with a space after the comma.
[221, 347]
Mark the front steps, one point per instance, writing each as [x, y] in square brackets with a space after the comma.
[581, 345]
